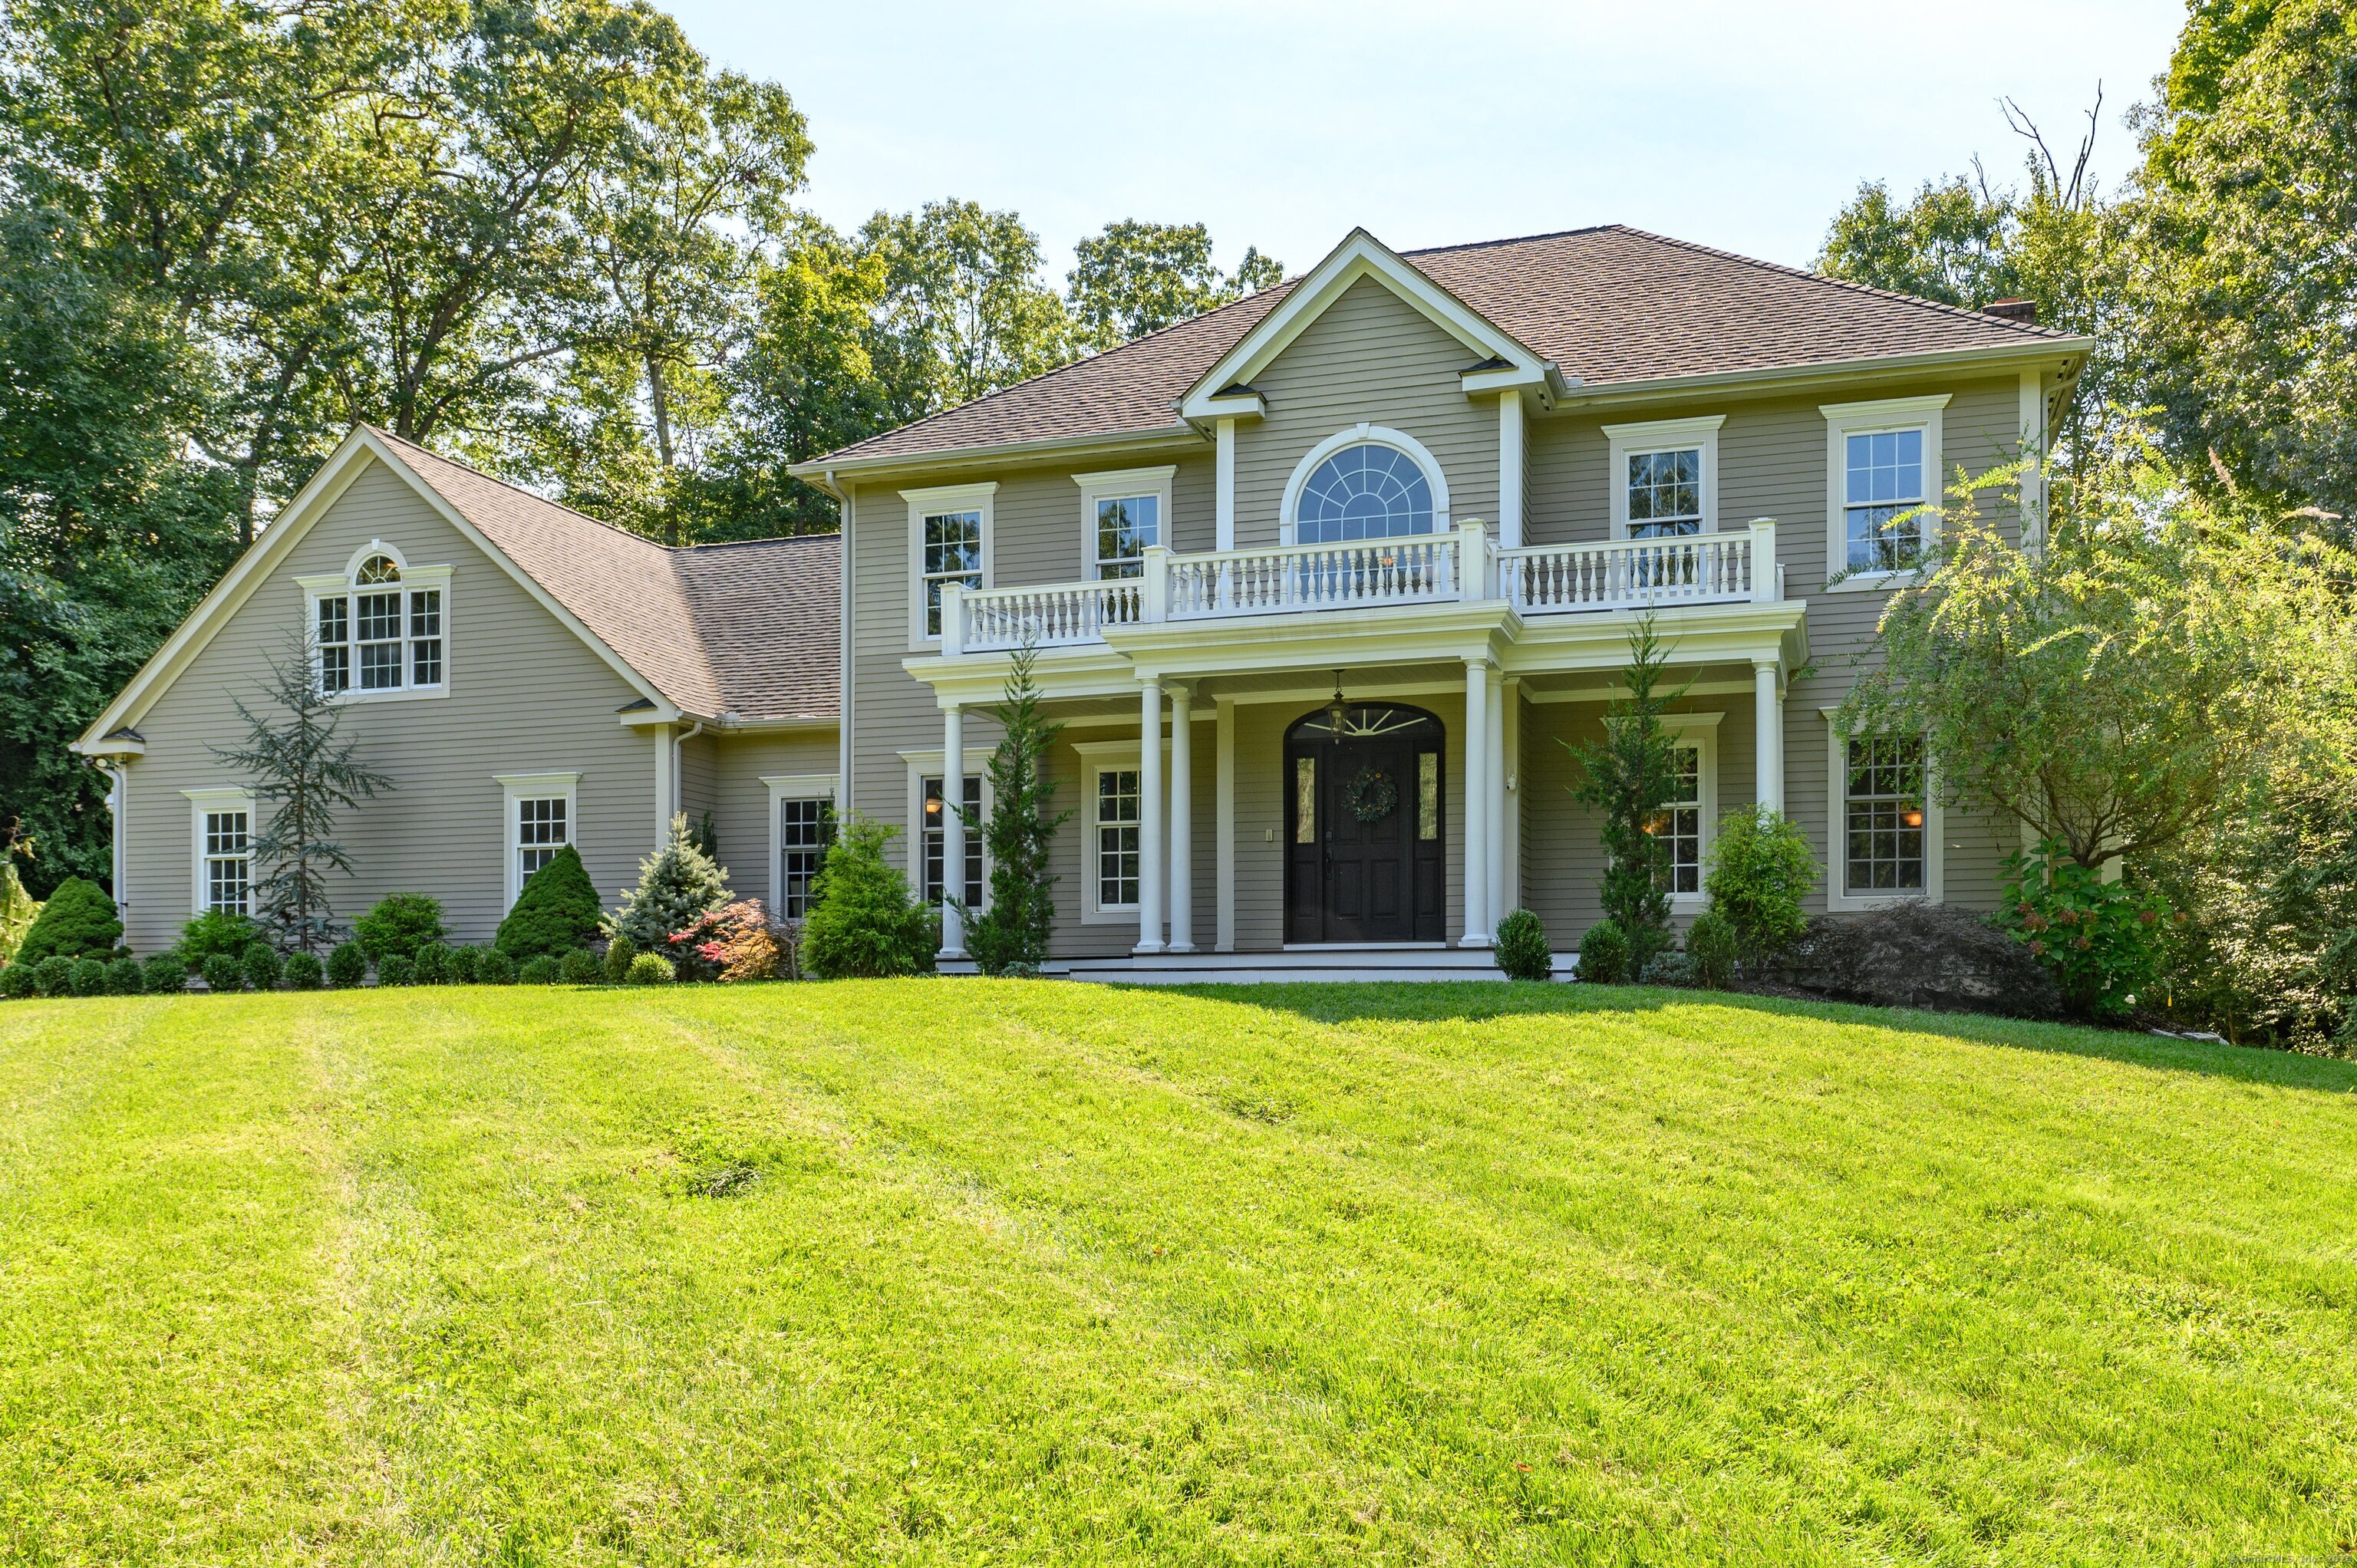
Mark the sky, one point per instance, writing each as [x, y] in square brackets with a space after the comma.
[1283, 125]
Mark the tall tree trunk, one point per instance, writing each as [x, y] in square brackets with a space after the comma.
[659, 398]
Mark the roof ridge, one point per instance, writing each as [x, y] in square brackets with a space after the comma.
[465, 468]
[2032, 329]
[1515, 239]
[1141, 338]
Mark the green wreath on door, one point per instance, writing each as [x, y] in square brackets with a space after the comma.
[1370, 795]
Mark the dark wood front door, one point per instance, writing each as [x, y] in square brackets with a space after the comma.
[1363, 829]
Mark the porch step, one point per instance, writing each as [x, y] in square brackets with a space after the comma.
[1298, 966]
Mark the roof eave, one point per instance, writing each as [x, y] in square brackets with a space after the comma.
[1580, 397]
[1179, 436]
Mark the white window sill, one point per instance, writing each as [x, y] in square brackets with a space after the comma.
[399, 694]
[1874, 582]
[1110, 915]
[1863, 902]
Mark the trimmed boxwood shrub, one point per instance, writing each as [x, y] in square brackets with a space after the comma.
[215, 930]
[580, 967]
[394, 969]
[494, 967]
[652, 969]
[463, 966]
[347, 965]
[20, 979]
[222, 972]
[1604, 954]
[556, 912]
[399, 923]
[1712, 943]
[261, 966]
[163, 975]
[1522, 951]
[303, 972]
[540, 969]
[88, 976]
[618, 955]
[123, 976]
[78, 921]
[433, 964]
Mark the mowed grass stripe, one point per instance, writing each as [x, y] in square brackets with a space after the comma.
[1045, 1273]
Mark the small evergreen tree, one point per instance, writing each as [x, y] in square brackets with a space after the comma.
[305, 777]
[1022, 833]
[1761, 869]
[862, 922]
[556, 912]
[18, 910]
[676, 885]
[1629, 776]
[617, 962]
[78, 919]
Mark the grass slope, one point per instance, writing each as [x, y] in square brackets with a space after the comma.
[929, 1272]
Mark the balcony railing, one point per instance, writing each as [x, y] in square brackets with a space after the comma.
[1735, 567]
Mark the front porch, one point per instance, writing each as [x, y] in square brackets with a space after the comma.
[1234, 847]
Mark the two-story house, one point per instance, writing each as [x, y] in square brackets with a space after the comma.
[1319, 585]
[1322, 583]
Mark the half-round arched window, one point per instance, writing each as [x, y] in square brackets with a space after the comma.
[379, 628]
[1366, 491]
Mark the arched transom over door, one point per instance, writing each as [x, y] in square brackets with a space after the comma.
[1364, 826]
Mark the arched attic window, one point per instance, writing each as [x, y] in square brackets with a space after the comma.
[380, 630]
[1365, 483]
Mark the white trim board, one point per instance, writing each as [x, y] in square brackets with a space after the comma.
[1627, 441]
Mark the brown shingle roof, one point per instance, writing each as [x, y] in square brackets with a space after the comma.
[751, 629]
[1606, 305]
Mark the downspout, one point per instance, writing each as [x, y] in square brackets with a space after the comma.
[847, 514]
[678, 799]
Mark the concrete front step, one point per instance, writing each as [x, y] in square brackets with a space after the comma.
[1294, 965]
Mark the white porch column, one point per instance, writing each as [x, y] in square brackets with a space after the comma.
[1223, 493]
[1182, 822]
[1509, 470]
[1149, 817]
[1510, 897]
[1477, 749]
[953, 831]
[666, 784]
[1767, 720]
[118, 806]
[1496, 777]
[1224, 810]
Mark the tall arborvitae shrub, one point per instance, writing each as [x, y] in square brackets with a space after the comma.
[303, 776]
[1627, 777]
[676, 885]
[556, 912]
[18, 910]
[78, 919]
[862, 921]
[1022, 832]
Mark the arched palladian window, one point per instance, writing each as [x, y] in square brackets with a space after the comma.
[1367, 491]
[380, 631]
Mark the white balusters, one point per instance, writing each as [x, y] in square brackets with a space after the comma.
[1635, 574]
[1412, 569]
[1047, 615]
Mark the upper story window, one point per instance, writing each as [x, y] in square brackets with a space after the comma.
[1665, 477]
[949, 542]
[1367, 491]
[380, 628]
[1122, 511]
[1882, 462]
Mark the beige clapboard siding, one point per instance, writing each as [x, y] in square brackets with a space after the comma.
[1371, 357]
[526, 696]
[740, 801]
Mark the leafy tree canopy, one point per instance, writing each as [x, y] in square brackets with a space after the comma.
[1134, 278]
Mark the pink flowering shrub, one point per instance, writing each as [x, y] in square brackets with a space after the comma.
[732, 942]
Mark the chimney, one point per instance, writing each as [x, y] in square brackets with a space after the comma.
[2022, 310]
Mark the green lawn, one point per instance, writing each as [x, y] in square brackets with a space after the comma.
[949, 1271]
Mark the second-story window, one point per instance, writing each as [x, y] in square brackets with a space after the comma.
[1125, 526]
[1883, 498]
[1664, 477]
[953, 554]
[1665, 492]
[949, 541]
[380, 630]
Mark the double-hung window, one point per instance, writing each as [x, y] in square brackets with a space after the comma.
[949, 542]
[379, 629]
[971, 892]
[1123, 510]
[221, 868]
[1678, 825]
[1117, 848]
[1884, 806]
[805, 828]
[541, 818]
[1882, 484]
[1665, 477]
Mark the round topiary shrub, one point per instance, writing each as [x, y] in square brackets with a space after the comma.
[652, 969]
[538, 970]
[20, 979]
[580, 967]
[303, 972]
[261, 966]
[53, 976]
[89, 978]
[619, 953]
[494, 967]
[123, 977]
[463, 966]
[164, 975]
[1603, 954]
[347, 965]
[399, 923]
[215, 930]
[431, 965]
[1713, 945]
[78, 921]
[1523, 951]
[222, 972]
[394, 969]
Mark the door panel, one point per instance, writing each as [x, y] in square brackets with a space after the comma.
[1352, 881]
